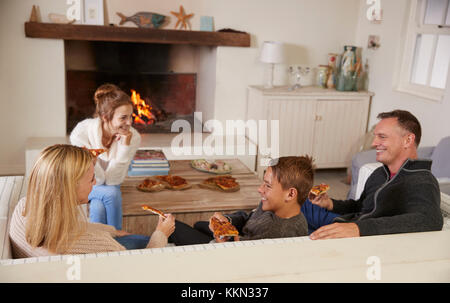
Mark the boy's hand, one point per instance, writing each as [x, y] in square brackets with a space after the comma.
[220, 217]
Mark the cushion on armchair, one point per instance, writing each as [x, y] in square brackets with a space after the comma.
[441, 159]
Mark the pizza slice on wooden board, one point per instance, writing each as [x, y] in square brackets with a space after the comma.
[154, 210]
[222, 183]
[174, 182]
[150, 185]
[318, 190]
[223, 228]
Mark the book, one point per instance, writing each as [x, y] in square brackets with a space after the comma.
[149, 156]
[150, 168]
[149, 165]
[132, 173]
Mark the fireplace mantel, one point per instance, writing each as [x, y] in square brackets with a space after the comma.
[134, 34]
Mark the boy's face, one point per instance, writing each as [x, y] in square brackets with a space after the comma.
[272, 194]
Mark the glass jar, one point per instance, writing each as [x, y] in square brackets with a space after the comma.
[322, 76]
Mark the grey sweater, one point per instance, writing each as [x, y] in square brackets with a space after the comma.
[409, 202]
[260, 224]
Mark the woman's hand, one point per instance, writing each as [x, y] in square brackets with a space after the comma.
[124, 139]
[167, 225]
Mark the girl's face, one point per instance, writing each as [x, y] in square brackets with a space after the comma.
[122, 120]
[85, 184]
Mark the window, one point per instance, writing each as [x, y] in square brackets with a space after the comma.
[425, 64]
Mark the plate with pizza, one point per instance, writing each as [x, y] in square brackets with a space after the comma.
[318, 190]
[150, 185]
[221, 183]
[223, 228]
[218, 167]
[174, 182]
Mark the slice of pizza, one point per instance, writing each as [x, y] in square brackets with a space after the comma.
[223, 183]
[223, 228]
[96, 151]
[318, 190]
[227, 183]
[150, 185]
[154, 210]
[174, 182]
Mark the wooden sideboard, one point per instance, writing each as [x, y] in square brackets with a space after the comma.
[324, 123]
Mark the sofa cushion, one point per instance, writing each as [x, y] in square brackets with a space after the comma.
[441, 159]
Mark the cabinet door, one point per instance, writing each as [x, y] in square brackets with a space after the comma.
[296, 124]
[339, 126]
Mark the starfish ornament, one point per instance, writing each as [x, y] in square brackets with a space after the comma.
[182, 18]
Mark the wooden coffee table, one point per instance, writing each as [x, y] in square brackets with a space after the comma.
[190, 205]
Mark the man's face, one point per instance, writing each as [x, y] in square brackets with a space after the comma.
[389, 141]
[272, 194]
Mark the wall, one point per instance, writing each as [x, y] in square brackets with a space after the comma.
[383, 63]
[32, 70]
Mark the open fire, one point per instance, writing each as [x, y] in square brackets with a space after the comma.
[142, 111]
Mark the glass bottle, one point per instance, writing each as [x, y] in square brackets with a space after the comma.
[322, 76]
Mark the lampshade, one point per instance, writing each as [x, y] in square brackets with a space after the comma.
[272, 52]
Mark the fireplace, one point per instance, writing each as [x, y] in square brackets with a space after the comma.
[143, 71]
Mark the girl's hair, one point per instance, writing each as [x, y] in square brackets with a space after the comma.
[107, 98]
[297, 172]
[53, 217]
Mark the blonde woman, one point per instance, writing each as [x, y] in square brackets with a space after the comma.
[49, 220]
[109, 129]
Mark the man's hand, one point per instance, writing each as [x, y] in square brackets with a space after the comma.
[323, 201]
[336, 230]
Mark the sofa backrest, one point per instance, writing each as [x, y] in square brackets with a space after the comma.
[11, 190]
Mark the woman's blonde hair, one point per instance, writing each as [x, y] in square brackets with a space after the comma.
[52, 209]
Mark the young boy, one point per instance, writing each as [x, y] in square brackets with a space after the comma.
[285, 187]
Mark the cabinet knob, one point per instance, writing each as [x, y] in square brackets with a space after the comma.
[318, 118]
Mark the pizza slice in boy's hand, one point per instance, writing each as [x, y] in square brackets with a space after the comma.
[223, 228]
[318, 190]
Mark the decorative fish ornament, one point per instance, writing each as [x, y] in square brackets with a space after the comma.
[144, 19]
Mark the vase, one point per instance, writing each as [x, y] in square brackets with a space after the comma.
[347, 76]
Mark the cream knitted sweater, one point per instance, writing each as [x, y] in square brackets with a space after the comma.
[97, 238]
[111, 167]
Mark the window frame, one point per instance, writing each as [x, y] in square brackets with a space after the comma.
[415, 27]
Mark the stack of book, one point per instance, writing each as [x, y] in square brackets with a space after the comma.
[149, 162]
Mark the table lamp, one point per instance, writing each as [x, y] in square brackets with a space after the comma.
[271, 52]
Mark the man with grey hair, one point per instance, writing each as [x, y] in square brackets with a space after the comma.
[399, 197]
